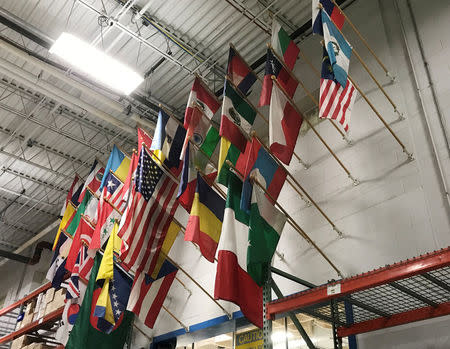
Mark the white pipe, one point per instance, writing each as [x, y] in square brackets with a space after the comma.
[427, 119]
[60, 96]
[77, 85]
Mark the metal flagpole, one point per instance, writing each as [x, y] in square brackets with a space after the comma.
[259, 79]
[355, 181]
[301, 188]
[290, 220]
[306, 166]
[315, 101]
[400, 115]
[388, 74]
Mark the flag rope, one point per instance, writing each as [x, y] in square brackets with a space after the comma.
[290, 220]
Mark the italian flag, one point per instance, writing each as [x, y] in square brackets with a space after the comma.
[233, 282]
[266, 224]
[284, 45]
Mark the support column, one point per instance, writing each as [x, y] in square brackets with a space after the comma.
[352, 344]
[267, 323]
[337, 341]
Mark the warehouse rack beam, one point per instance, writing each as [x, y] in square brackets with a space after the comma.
[411, 290]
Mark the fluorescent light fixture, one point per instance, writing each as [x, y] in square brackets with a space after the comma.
[96, 63]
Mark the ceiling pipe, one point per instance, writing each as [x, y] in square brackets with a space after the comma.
[28, 260]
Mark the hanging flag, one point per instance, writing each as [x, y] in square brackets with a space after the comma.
[205, 221]
[236, 108]
[188, 180]
[83, 235]
[339, 50]
[201, 107]
[148, 294]
[168, 141]
[66, 219]
[143, 138]
[118, 163]
[265, 169]
[233, 283]
[74, 187]
[72, 227]
[90, 212]
[281, 113]
[284, 45]
[116, 287]
[127, 186]
[275, 68]
[56, 271]
[239, 72]
[333, 11]
[171, 235]
[86, 332]
[94, 179]
[335, 102]
[145, 224]
[266, 225]
[81, 270]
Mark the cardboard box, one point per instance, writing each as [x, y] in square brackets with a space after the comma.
[30, 306]
[59, 298]
[49, 295]
[42, 346]
[21, 342]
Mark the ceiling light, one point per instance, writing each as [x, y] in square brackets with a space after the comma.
[96, 63]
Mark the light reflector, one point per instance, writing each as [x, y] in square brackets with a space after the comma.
[96, 63]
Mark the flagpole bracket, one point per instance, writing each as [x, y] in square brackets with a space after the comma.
[401, 117]
[410, 155]
[280, 255]
[355, 180]
[339, 232]
[348, 140]
[390, 76]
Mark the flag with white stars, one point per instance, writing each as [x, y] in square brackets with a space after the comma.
[147, 218]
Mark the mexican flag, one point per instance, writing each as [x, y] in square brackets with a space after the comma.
[85, 333]
[233, 282]
[284, 45]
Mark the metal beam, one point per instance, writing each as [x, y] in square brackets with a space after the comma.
[388, 274]
[12, 192]
[34, 179]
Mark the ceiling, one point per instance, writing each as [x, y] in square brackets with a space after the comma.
[54, 121]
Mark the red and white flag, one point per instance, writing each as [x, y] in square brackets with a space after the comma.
[144, 226]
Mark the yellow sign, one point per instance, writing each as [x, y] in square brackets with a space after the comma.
[250, 340]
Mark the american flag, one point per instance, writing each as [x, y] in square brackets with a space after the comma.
[147, 294]
[335, 102]
[144, 226]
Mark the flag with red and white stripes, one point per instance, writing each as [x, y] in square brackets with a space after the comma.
[144, 226]
[335, 101]
[147, 294]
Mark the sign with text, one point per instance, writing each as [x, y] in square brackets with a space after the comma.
[250, 340]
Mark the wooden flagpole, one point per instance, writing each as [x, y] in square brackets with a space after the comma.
[410, 155]
[301, 188]
[306, 166]
[355, 181]
[315, 101]
[400, 115]
[290, 220]
[259, 79]
[388, 74]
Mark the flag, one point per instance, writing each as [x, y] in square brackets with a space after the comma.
[72, 227]
[335, 102]
[284, 126]
[201, 107]
[233, 283]
[56, 271]
[116, 286]
[148, 294]
[236, 108]
[168, 141]
[81, 270]
[266, 225]
[94, 179]
[238, 71]
[83, 235]
[90, 212]
[339, 50]
[284, 45]
[148, 217]
[171, 235]
[143, 138]
[265, 169]
[276, 68]
[74, 187]
[205, 221]
[86, 332]
[66, 219]
[188, 180]
[128, 184]
[118, 163]
[333, 11]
